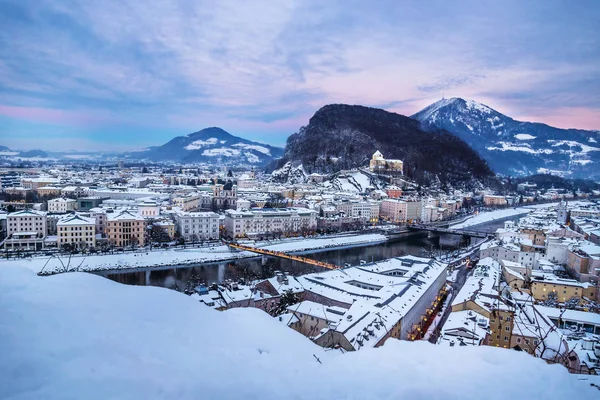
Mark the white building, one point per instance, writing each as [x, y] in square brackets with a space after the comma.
[366, 210]
[202, 225]
[149, 210]
[259, 221]
[26, 229]
[62, 205]
[76, 230]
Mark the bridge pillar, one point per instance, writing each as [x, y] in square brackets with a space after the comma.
[263, 260]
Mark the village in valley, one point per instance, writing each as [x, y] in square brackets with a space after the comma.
[529, 283]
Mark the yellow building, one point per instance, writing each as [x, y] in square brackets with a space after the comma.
[381, 165]
[543, 284]
[77, 231]
[125, 228]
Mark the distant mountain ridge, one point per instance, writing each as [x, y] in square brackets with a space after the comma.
[341, 136]
[513, 147]
[211, 145]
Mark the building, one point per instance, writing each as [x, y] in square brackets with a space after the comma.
[188, 202]
[542, 284]
[87, 203]
[76, 231]
[149, 210]
[269, 221]
[494, 201]
[400, 210]
[380, 165]
[35, 183]
[62, 205]
[197, 225]
[365, 210]
[125, 228]
[26, 230]
[393, 191]
[225, 196]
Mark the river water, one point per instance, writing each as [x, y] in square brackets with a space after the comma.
[187, 277]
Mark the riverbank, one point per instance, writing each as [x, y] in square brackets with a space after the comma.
[185, 257]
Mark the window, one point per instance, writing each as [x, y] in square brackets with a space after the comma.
[507, 329]
[506, 338]
[519, 340]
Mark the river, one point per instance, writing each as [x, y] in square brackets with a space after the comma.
[187, 277]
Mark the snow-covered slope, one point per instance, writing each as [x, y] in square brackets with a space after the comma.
[289, 174]
[80, 336]
[512, 147]
[355, 181]
[212, 145]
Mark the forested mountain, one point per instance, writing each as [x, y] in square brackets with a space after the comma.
[341, 136]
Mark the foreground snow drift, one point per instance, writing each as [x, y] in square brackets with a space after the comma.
[80, 336]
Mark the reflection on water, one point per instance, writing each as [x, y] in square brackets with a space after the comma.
[187, 277]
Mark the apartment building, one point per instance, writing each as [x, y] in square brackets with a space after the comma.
[494, 201]
[26, 229]
[262, 221]
[188, 202]
[542, 284]
[62, 205]
[77, 231]
[400, 210]
[125, 228]
[197, 225]
[366, 210]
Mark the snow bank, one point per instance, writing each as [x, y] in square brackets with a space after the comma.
[190, 256]
[80, 336]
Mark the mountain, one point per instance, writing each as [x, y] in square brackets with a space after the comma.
[212, 145]
[342, 136]
[6, 152]
[513, 147]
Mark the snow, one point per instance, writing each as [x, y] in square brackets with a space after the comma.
[223, 151]
[198, 144]
[80, 336]
[584, 148]
[524, 136]
[473, 105]
[353, 182]
[260, 149]
[189, 256]
[582, 162]
[9, 153]
[484, 217]
[506, 146]
[251, 157]
[592, 140]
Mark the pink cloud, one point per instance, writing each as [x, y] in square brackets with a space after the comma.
[565, 117]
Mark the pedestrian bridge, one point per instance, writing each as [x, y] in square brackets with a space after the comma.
[439, 229]
[281, 254]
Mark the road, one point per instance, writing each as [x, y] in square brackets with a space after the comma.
[461, 278]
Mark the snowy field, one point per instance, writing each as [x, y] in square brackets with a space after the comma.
[80, 336]
[189, 256]
[490, 216]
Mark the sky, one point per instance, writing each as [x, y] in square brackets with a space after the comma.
[123, 75]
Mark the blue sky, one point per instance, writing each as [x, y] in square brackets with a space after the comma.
[117, 75]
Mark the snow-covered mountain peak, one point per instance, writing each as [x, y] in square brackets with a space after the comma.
[512, 147]
[455, 105]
